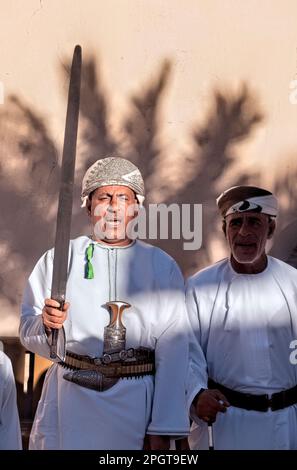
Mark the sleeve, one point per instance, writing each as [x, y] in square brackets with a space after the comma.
[38, 288]
[170, 415]
[10, 433]
[197, 373]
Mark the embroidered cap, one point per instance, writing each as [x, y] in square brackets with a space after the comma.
[111, 171]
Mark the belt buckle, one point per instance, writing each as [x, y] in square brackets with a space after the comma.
[269, 402]
[275, 402]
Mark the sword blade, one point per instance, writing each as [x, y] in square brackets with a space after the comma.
[63, 227]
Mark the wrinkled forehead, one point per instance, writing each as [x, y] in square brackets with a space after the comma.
[247, 215]
[114, 189]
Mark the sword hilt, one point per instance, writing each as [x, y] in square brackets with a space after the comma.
[55, 334]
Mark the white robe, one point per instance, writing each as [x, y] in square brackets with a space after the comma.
[10, 433]
[245, 324]
[70, 416]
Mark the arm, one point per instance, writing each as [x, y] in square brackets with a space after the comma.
[33, 334]
[197, 372]
[10, 433]
[203, 403]
[169, 411]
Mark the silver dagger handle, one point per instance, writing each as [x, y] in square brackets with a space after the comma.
[115, 331]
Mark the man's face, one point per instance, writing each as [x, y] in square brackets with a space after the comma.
[111, 209]
[247, 233]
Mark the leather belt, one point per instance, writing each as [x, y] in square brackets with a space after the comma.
[135, 363]
[249, 401]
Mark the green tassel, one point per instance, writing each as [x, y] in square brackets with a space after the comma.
[89, 271]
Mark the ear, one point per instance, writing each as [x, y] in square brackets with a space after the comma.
[136, 208]
[224, 227]
[88, 206]
[271, 228]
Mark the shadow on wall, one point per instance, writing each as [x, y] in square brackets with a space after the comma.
[285, 240]
[28, 187]
[29, 169]
[231, 119]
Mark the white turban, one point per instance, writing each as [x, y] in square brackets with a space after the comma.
[247, 198]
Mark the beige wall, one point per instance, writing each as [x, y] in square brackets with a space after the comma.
[164, 83]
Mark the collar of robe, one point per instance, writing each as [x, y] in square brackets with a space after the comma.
[89, 269]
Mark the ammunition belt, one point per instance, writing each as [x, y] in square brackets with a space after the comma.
[126, 363]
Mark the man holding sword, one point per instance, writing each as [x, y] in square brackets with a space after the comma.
[122, 346]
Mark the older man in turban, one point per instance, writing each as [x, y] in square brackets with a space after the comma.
[244, 314]
[122, 336]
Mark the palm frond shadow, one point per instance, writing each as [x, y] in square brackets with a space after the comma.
[29, 168]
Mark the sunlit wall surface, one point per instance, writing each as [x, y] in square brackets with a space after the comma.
[201, 94]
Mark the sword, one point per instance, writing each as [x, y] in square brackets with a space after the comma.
[60, 267]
